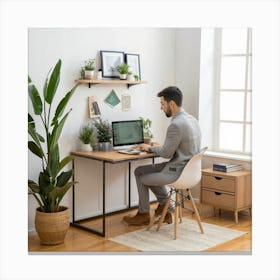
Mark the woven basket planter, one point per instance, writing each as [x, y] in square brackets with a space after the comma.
[52, 227]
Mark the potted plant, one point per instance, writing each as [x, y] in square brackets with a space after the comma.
[123, 70]
[130, 77]
[103, 134]
[86, 136]
[147, 124]
[88, 69]
[52, 219]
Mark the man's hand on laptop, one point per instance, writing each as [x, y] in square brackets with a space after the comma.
[144, 147]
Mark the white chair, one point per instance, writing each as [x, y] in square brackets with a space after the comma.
[190, 177]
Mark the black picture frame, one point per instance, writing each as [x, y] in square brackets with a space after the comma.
[133, 60]
[110, 60]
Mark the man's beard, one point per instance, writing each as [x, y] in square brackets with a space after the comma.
[168, 113]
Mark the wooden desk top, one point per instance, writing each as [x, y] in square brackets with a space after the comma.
[111, 156]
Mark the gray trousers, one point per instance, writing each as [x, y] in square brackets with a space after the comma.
[154, 178]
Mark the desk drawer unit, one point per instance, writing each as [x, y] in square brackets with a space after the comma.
[231, 191]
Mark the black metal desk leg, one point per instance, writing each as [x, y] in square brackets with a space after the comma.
[103, 210]
[129, 184]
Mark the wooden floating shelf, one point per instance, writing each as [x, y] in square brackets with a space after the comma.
[109, 82]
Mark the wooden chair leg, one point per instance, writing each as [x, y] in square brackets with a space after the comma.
[180, 207]
[176, 215]
[196, 211]
[153, 220]
[164, 211]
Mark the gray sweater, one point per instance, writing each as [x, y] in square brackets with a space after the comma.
[182, 139]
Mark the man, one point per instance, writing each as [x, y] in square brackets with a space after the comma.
[181, 143]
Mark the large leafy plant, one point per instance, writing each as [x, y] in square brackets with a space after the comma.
[53, 183]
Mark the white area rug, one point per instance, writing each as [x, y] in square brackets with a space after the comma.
[189, 238]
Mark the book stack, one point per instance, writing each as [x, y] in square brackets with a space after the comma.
[227, 167]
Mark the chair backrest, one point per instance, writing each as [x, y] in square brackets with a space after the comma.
[191, 173]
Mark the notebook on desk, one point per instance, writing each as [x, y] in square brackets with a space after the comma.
[130, 152]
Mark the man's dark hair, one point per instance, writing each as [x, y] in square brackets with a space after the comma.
[172, 93]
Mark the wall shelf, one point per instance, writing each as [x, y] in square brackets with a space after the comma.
[110, 82]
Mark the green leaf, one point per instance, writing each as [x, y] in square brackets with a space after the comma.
[32, 132]
[33, 186]
[54, 162]
[44, 179]
[61, 106]
[31, 122]
[56, 132]
[40, 137]
[53, 82]
[45, 89]
[29, 80]
[35, 98]
[64, 177]
[65, 161]
[57, 194]
[35, 149]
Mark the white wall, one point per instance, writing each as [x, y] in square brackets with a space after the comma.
[157, 58]
[187, 55]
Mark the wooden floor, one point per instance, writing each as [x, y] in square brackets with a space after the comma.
[78, 240]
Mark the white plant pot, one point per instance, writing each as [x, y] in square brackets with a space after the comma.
[130, 78]
[89, 74]
[86, 147]
[99, 75]
[123, 76]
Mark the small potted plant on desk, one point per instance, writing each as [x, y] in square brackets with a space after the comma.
[86, 136]
[103, 134]
[123, 70]
[147, 123]
[51, 220]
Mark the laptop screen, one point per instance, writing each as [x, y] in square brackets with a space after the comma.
[127, 132]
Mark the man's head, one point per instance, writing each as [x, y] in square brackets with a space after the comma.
[171, 100]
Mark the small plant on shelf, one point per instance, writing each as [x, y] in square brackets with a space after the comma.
[87, 71]
[123, 69]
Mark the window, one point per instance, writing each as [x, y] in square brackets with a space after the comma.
[234, 90]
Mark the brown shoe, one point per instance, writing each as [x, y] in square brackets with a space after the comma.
[137, 220]
[168, 218]
[159, 209]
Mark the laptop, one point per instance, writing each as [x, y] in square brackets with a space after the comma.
[127, 135]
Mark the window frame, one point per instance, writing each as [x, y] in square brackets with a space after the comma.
[219, 55]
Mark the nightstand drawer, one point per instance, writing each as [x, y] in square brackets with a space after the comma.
[217, 198]
[218, 183]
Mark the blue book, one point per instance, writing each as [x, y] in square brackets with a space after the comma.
[226, 167]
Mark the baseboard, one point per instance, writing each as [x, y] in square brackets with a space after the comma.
[31, 232]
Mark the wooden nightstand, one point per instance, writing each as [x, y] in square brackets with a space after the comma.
[230, 191]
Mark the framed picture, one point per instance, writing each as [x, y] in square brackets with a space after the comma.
[133, 60]
[110, 60]
[126, 102]
[93, 108]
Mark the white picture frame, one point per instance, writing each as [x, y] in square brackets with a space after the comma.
[133, 61]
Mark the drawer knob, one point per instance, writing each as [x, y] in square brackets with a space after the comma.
[218, 178]
[218, 193]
